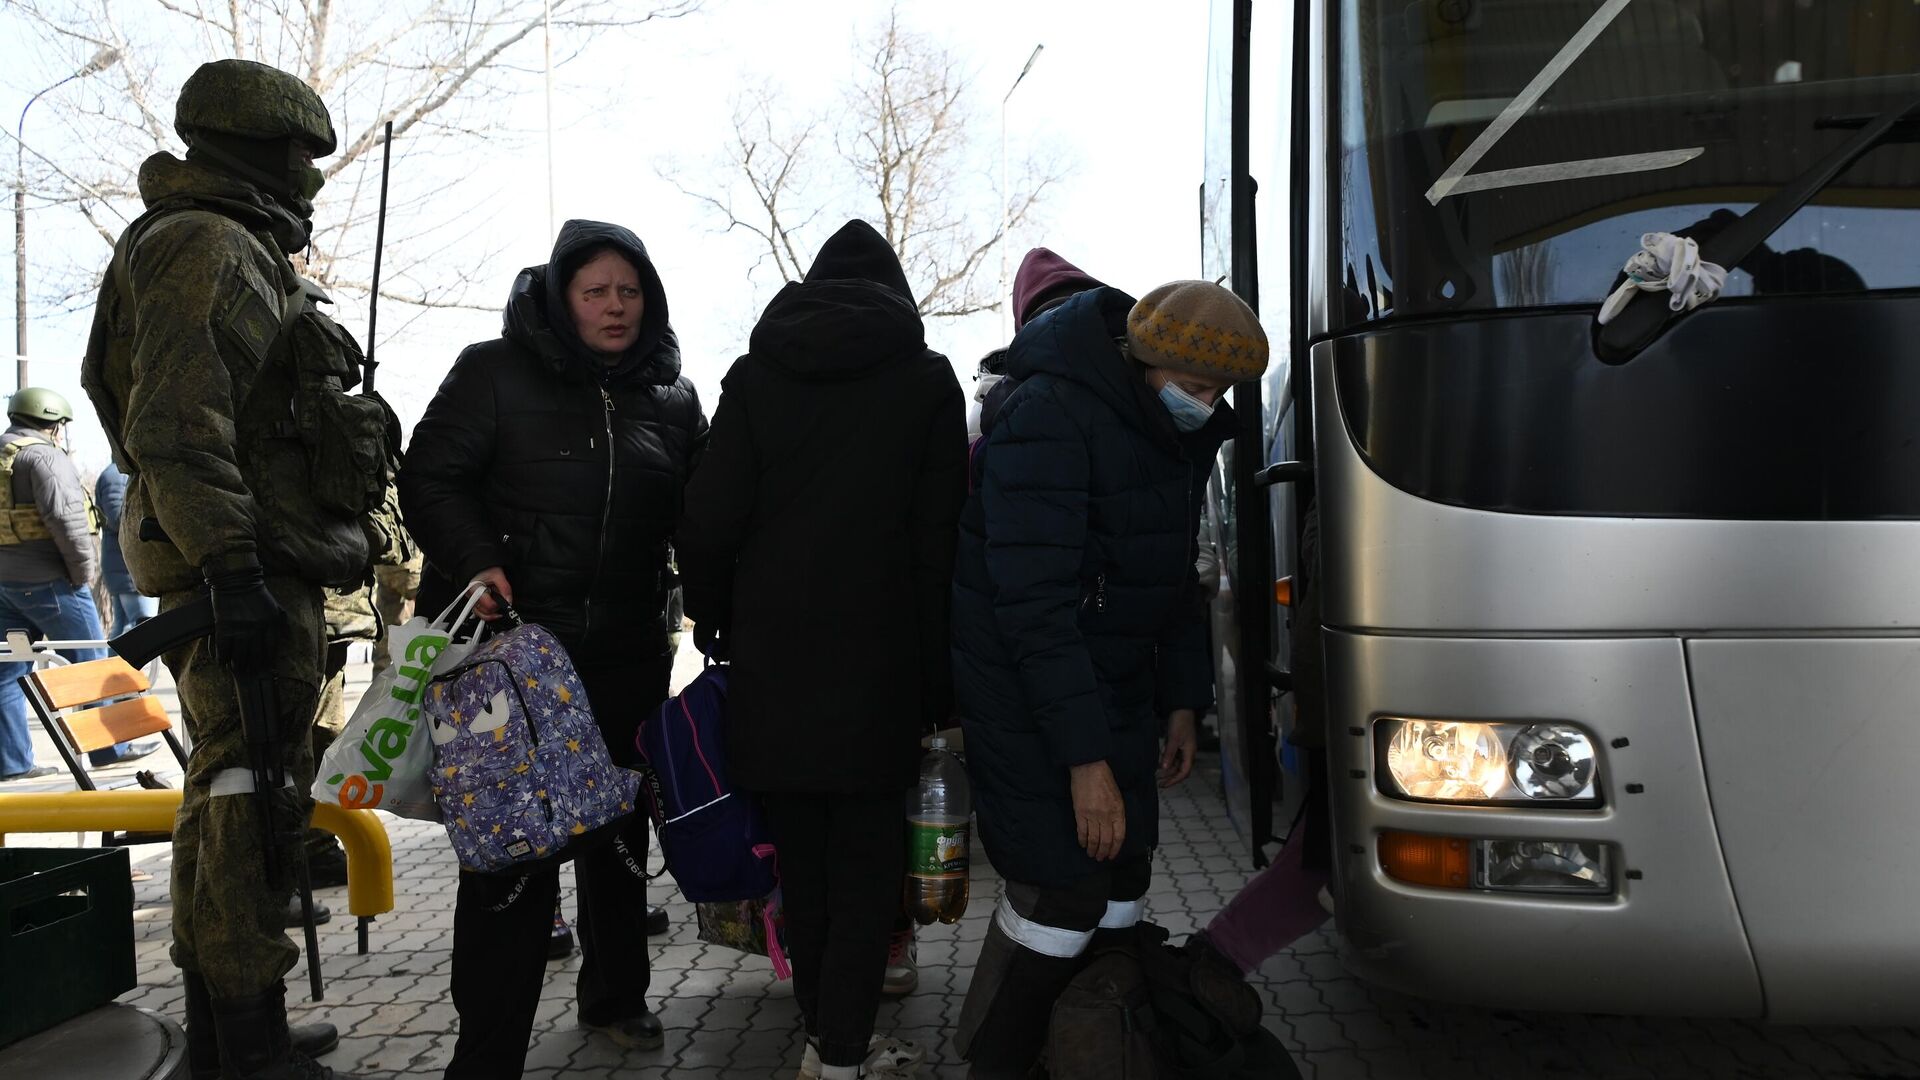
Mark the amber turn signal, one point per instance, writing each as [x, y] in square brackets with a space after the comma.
[1437, 862]
[1283, 592]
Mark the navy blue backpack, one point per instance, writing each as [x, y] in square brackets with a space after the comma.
[715, 839]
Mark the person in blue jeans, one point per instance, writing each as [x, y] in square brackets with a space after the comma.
[130, 608]
[47, 558]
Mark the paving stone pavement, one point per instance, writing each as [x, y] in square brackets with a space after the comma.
[728, 1018]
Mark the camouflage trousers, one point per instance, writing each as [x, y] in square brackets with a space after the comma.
[229, 914]
[394, 588]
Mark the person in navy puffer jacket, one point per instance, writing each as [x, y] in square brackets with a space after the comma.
[1079, 640]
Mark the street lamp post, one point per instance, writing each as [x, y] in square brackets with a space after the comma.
[1006, 212]
[547, 39]
[102, 60]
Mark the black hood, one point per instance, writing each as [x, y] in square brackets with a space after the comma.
[537, 319]
[852, 313]
[858, 253]
[1084, 341]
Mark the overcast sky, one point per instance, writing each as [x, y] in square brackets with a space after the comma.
[1117, 96]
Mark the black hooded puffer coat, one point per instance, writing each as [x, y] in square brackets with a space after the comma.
[538, 456]
[819, 530]
[1076, 620]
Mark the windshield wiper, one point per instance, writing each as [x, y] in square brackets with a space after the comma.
[1643, 321]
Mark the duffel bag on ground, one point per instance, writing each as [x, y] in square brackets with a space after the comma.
[521, 772]
[1144, 1010]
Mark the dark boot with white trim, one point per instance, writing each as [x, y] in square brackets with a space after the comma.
[1003, 1025]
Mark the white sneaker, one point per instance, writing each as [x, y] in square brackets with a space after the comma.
[888, 1058]
[903, 968]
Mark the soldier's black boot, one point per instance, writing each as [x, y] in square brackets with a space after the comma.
[203, 1044]
[255, 1043]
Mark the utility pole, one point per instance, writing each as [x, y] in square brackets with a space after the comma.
[547, 35]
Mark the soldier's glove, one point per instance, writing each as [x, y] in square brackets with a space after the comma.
[248, 623]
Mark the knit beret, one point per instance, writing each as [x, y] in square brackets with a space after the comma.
[1199, 328]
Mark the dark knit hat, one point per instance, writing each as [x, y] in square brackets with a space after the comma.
[1200, 328]
[1045, 278]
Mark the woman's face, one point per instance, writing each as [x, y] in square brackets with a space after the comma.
[1200, 386]
[606, 304]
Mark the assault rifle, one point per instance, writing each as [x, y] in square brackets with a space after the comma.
[259, 723]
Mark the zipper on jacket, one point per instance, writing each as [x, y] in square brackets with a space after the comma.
[1096, 601]
[606, 513]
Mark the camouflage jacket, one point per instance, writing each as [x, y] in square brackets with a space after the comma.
[350, 614]
[226, 405]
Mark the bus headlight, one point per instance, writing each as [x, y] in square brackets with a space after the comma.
[1552, 761]
[1438, 759]
[1469, 761]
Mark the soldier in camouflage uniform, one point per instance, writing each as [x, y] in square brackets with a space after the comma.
[396, 581]
[350, 618]
[253, 473]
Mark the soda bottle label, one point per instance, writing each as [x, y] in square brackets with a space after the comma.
[936, 849]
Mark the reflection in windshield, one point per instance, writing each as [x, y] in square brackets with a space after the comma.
[1748, 82]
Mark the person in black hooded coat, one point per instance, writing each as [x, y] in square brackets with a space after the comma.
[551, 464]
[1079, 636]
[817, 546]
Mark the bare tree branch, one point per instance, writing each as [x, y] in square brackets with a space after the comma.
[906, 161]
[439, 69]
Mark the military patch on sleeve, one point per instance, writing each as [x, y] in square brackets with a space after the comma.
[252, 324]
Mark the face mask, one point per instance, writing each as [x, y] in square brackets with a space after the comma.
[305, 181]
[1190, 414]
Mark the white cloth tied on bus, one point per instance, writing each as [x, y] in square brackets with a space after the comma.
[1670, 263]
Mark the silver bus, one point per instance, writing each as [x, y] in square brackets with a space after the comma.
[1621, 621]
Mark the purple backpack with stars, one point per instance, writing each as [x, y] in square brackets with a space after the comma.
[521, 773]
[714, 838]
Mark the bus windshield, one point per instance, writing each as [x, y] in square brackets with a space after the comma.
[1511, 153]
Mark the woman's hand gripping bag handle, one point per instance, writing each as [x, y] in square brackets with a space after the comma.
[382, 759]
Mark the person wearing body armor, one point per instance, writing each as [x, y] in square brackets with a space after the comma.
[47, 559]
[253, 477]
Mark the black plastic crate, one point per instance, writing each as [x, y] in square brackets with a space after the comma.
[66, 934]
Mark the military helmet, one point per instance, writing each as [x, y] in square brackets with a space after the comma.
[252, 101]
[39, 405]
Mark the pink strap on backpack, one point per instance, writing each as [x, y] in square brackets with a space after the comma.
[782, 969]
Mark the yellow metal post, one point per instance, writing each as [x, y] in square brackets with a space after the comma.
[369, 853]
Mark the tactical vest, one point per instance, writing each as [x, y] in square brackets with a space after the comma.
[22, 524]
[317, 458]
[18, 524]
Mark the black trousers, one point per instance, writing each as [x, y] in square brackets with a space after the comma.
[842, 869]
[501, 923]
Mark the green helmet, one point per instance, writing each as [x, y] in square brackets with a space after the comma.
[252, 101]
[39, 405]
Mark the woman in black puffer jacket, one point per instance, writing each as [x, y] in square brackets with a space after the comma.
[551, 465]
[1078, 637]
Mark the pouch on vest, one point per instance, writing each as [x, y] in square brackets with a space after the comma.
[345, 435]
[20, 524]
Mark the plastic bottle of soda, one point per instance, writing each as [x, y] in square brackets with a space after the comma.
[938, 810]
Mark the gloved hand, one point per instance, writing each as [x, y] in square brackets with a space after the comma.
[248, 623]
[709, 641]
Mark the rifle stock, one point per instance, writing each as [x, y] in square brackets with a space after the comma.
[169, 630]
